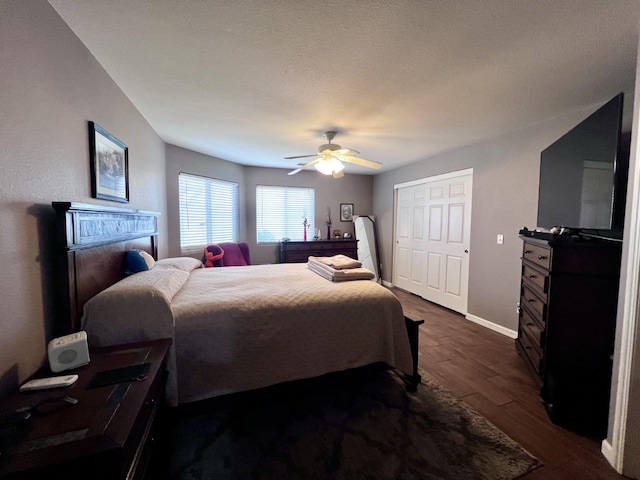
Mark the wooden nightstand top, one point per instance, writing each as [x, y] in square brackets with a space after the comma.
[102, 422]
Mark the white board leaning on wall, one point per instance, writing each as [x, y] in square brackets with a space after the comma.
[365, 233]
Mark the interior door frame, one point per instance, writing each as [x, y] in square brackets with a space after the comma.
[396, 187]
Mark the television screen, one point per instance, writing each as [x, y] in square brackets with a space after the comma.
[583, 175]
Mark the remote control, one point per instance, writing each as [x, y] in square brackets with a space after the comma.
[50, 382]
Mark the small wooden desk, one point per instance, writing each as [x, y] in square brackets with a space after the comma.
[107, 435]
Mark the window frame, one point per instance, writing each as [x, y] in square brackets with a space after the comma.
[209, 211]
[290, 229]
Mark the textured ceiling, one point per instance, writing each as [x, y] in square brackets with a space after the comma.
[255, 81]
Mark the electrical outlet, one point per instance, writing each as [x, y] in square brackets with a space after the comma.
[500, 239]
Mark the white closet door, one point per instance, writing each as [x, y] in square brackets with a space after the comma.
[433, 222]
[410, 255]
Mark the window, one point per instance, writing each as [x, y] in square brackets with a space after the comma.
[280, 213]
[208, 212]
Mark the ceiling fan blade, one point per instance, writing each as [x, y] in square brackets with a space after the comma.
[306, 165]
[362, 162]
[339, 174]
[346, 151]
[301, 156]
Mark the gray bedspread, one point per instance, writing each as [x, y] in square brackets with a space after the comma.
[241, 328]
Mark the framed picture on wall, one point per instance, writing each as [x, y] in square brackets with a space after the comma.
[346, 212]
[109, 159]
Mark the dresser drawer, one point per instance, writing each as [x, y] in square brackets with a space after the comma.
[299, 257]
[534, 331]
[536, 254]
[329, 246]
[300, 247]
[139, 449]
[537, 277]
[536, 304]
[531, 352]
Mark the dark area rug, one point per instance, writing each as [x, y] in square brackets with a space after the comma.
[362, 425]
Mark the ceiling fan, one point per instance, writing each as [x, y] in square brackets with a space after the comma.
[328, 160]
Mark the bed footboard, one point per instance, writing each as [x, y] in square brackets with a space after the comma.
[413, 330]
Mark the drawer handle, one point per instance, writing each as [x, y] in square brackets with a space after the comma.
[531, 300]
[532, 275]
[527, 251]
[542, 257]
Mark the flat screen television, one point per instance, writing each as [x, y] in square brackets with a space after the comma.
[583, 176]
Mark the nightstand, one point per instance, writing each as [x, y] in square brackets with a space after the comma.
[108, 434]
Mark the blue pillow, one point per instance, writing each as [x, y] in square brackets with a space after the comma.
[134, 262]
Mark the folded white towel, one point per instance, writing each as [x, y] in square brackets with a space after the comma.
[339, 262]
[334, 275]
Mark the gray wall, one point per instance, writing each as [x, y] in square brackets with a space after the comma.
[505, 196]
[330, 192]
[50, 87]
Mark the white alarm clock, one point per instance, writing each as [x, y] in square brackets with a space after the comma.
[67, 352]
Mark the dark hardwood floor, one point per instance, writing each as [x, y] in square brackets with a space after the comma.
[482, 368]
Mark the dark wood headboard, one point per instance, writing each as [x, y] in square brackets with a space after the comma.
[92, 241]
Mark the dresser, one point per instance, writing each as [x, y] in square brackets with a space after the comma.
[299, 252]
[566, 328]
[112, 432]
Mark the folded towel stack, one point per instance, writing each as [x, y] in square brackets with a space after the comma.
[339, 262]
[339, 268]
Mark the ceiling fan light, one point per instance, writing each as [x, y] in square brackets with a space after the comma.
[324, 167]
[329, 166]
[338, 166]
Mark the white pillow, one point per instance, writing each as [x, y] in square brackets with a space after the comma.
[185, 264]
[149, 260]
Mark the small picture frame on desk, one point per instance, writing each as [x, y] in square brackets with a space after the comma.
[346, 212]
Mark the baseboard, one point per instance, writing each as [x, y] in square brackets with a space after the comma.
[609, 453]
[492, 326]
[480, 321]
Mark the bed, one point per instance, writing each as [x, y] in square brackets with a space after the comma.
[233, 329]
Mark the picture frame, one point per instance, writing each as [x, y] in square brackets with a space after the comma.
[109, 161]
[346, 212]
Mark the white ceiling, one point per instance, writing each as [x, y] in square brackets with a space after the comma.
[400, 80]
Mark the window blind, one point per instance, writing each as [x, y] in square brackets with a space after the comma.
[208, 212]
[280, 213]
